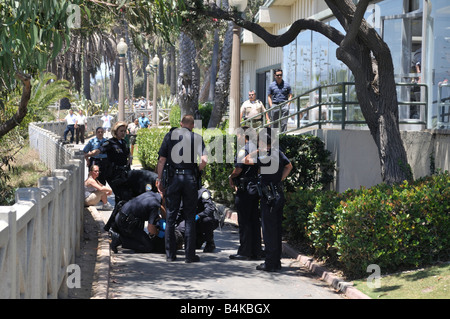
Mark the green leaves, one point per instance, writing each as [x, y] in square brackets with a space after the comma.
[32, 32]
[399, 226]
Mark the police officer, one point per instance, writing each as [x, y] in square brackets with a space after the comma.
[119, 161]
[243, 180]
[128, 229]
[205, 221]
[274, 168]
[100, 160]
[181, 149]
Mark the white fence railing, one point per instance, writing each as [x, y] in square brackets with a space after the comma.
[40, 233]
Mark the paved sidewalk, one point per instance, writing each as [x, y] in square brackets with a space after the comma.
[129, 275]
[215, 276]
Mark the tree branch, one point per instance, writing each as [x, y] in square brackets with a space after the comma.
[17, 118]
[212, 10]
[355, 23]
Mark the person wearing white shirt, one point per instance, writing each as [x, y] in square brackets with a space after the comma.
[107, 124]
[80, 127]
[70, 119]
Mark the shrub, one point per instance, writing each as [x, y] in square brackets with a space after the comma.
[321, 223]
[205, 111]
[395, 227]
[298, 206]
[312, 166]
[175, 116]
[149, 141]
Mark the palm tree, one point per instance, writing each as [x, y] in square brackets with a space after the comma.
[189, 77]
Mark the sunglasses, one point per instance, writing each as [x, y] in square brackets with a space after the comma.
[278, 75]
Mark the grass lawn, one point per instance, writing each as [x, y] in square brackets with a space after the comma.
[427, 283]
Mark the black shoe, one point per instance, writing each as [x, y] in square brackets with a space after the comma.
[193, 260]
[115, 241]
[264, 267]
[239, 257]
[209, 247]
[171, 258]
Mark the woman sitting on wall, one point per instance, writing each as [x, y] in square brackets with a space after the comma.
[96, 191]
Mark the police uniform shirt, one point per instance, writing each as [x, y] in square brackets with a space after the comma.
[266, 160]
[144, 207]
[252, 108]
[93, 144]
[247, 170]
[190, 142]
[280, 92]
[117, 151]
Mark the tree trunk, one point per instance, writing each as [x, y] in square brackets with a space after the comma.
[17, 118]
[223, 80]
[204, 91]
[173, 71]
[188, 79]
[86, 82]
[213, 71]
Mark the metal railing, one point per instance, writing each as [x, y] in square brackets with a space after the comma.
[334, 104]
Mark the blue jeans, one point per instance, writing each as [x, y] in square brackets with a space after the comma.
[70, 128]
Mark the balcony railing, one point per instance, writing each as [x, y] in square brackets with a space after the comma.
[337, 106]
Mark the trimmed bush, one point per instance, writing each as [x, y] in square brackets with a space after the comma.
[396, 227]
[149, 141]
[312, 167]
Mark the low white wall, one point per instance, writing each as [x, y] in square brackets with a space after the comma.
[40, 233]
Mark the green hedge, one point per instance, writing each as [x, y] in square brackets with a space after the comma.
[148, 142]
[312, 166]
[395, 227]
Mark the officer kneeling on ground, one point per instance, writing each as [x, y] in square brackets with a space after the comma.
[128, 228]
[205, 221]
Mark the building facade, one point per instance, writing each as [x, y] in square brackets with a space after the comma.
[417, 32]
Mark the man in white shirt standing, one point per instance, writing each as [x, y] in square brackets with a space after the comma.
[70, 119]
[107, 124]
[252, 107]
[80, 127]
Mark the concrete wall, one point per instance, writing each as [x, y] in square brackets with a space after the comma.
[40, 233]
[357, 160]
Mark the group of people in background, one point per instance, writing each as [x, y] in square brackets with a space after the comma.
[76, 126]
[279, 92]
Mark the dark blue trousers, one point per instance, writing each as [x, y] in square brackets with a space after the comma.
[182, 188]
[249, 224]
[271, 218]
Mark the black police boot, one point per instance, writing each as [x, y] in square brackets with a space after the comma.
[193, 260]
[115, 241]
[209, 247]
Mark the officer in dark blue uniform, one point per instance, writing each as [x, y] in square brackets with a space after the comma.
[274, 168]
[244, 180]
[205, 221]
[180, 150]
[119, 161]
[128, 229]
